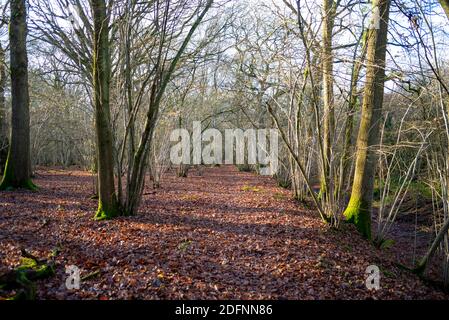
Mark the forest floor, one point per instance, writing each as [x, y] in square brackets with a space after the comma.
[223, 235]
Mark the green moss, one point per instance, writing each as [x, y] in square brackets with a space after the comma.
[323, 191]
[40, 271]
[25, 275]
[27, 263]
[9, 183]
[7, 177]
[30, 186]
[28, 291]
[359, 214]
[104, 213]
[43, 271]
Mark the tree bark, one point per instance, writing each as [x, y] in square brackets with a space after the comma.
[17, 172]
[108, 206]
[360, 205]
[3, 123]
[328, 91]
[353, 103]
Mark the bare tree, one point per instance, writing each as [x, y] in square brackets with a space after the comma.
[108, 206]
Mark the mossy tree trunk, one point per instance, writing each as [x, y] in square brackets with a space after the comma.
[3, 123]
[108, 206]
[17, 172]
[360, 205]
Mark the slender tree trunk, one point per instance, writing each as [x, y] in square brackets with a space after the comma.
[3, 123]
[353, 103]
[439, 238]
[360, 205]
[129, 89]
[17, 172]
[183, 169]
[328, 91]
[108, 206]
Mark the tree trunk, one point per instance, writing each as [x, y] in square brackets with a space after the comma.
[353, 103]
[439, 238]
[108, 206]
[328, 92]
[360, 205]
[17, 171]
[3, 123]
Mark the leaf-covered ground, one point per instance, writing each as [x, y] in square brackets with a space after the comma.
[222, 235]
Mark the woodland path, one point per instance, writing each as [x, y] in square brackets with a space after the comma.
[222, 235]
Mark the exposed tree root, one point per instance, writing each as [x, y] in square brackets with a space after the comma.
[21, 281]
